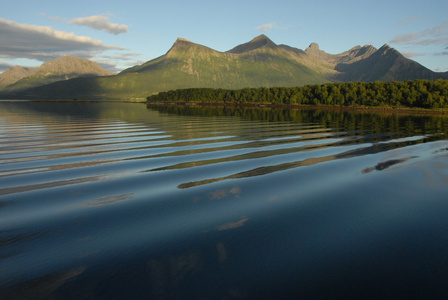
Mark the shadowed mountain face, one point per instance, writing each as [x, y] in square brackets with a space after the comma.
[257, 63]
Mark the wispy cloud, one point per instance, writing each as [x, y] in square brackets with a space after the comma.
[108, 65]
[265, 27]
[431, 36]
[125, 59]
[409, 54]
[100, 23]
[45, 43]
[273, 25]
[409, 20]
[122, 56]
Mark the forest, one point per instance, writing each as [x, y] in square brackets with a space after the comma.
[427, 94]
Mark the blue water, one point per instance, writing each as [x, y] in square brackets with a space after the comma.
[121, 201]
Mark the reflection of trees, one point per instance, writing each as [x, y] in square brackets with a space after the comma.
[388, 121]
[318, 129]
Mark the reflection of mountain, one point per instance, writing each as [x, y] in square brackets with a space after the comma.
[387, 164]
[257, 63]
[45, 287]
[319, 130]
[277, 233]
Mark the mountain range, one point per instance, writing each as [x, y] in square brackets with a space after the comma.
[64, 68]
[257, 63]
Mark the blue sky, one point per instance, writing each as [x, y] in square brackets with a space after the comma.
[120, 34]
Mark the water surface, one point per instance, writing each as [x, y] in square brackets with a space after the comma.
[115, 200]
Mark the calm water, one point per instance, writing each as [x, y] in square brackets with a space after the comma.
[121, 201]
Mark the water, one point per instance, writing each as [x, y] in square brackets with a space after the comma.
[115, 200]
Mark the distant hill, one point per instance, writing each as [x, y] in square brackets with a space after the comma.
[14, 74]
[64, 68]
[257, 63]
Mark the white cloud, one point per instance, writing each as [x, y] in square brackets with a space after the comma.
[100, 23]
[44, 43]
[273, 25]
[265, 27]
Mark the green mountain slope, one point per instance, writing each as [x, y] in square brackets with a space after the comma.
[257, 63]
[187, 65]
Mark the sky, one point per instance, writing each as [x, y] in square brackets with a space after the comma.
[124, 33]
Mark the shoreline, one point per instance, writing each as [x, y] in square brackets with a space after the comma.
[397, 110]
[391, 110]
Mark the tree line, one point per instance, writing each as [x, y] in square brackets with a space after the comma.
[409, 94]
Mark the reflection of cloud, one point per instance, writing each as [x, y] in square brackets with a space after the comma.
[111, 199]
[273, 198]
[219, 194]
[233, 225]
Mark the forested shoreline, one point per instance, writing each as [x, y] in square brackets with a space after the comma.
[426, 94]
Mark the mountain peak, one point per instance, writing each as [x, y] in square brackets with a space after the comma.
[261, 41]
[72, 65]
[313, 46]
[14, 74]
[386, 49]
[179, 39]
[182, 46]
[313, 49]
[261, 37]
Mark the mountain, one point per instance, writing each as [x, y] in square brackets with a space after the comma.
[64, 68]
[385, 64]
[257, 63]
[14, 74]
